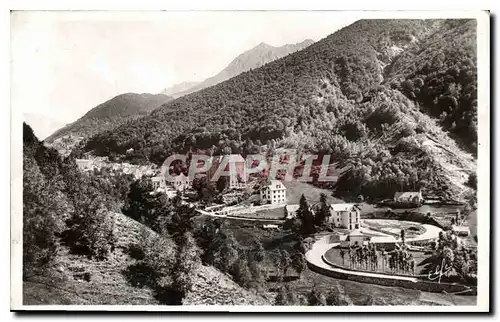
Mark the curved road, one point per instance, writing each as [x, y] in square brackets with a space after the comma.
[315, 257]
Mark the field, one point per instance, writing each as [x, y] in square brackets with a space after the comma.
[295, 189]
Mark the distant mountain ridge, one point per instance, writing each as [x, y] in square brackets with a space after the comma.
[116, 111]
[179, 88]
[250, 59]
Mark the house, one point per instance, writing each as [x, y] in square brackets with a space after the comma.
[409, 197]
[236, 166]
[181, 182]
[158, 182]
[291, 211]
[463, 231]
[84, 164]
[355, 238]
[274, 192]
[344, 215]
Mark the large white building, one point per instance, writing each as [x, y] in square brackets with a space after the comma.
[274, 192]
[344, 215]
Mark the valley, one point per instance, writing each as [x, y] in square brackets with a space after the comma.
[389, 106]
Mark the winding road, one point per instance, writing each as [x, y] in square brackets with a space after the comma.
[315, 258]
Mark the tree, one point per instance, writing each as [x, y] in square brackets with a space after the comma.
[403, 235]
[306, 217]
[286, 297]
[316, 298]
[299, 263]
[222, 183]
[42, 218]
[182, 220]
[138, 200]
[342, 254]
[323, 212]
[205, 188]
[286, 261]
[187, 262]
[241, 272]
[300, 246]
[147, 207]
[472, 181]
[337, 297]
[281, 297]
[89, 226]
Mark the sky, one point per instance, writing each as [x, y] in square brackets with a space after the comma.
[65, 63]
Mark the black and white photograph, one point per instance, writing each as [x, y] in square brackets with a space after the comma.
[324, 161]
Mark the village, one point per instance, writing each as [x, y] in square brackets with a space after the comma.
[405, 226]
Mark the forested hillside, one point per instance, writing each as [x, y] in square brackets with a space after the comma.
[370, 94]
[79, 249]
[114, 112]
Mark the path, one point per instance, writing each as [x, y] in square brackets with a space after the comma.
[203, 212]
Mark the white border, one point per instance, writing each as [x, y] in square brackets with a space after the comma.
[483, 174]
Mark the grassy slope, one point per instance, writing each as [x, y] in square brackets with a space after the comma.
[296, 189]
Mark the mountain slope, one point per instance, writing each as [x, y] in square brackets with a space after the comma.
[335, 96]
[116, 111]
[178, 88]
[56, 272]
[253, 58]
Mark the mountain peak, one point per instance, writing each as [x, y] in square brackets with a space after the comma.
[263, 45]
[253, 58]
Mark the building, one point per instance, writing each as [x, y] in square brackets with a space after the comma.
[236, 166]
[181, 182]
[158, 182]
[462, 231]
[84, 164]
[274, 192]
[344, 215]
[355, 238]
[291, 211]
[409, 197]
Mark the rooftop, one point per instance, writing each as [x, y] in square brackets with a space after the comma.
[275, 185]
[356, 232]
[180, 177]
[341, 206]
[230, 157]
[459, 228]
[407, 194]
